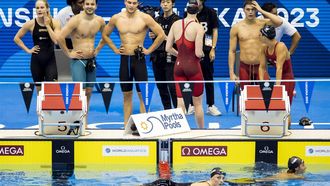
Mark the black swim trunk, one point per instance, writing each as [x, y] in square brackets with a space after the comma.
[131, 68]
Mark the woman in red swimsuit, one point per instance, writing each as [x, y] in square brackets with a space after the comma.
[277, 54]
[188, 36]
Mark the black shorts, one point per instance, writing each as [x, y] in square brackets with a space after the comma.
[131, 68]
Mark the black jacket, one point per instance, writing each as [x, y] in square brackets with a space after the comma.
[165, 23]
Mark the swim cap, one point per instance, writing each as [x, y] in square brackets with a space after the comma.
[294, 162]
[268, 31]
[192, 7]
[217, 170]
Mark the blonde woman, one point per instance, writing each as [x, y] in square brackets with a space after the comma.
[43, 29]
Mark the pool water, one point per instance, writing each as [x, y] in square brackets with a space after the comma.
[315, 175]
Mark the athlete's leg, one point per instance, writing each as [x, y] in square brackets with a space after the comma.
[244, 74]
[36, 71]
[181, 104]
[90, 79]
[142, 107]
[199, 113]
[127, 105]
[51, 70]
[180, 100]
[160, 75]
[171, 86]
[140, 74]
[125, 72]
[208, 70]
[78, 73]
[289, 87]
[197, 97]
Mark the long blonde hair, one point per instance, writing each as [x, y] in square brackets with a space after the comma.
[48, 14]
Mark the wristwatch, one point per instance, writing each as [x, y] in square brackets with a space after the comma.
[213, 47]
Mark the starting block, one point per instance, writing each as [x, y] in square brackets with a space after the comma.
[61, 109]
[256, 120]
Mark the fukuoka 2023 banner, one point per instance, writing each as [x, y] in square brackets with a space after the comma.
[309, 17]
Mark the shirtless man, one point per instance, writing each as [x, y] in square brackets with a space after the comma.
[246, 33]
[132, 26]
[83, 28]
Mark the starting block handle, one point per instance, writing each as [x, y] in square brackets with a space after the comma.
[62, 136]
[247, 124]
[61, 124]
[262, 124]
[80, 125]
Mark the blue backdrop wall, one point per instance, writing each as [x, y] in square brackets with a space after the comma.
[309, 17]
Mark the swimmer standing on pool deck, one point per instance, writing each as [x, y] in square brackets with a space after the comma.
[43, 29]
[246, 34]
[83, 28]
[132, 26]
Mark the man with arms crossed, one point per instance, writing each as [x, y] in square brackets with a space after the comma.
[83, 28]
[246, 33]
[132, 26]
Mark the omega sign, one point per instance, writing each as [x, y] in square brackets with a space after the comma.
[15, 150]
[266, 150]
[204, 151]
[63, 150]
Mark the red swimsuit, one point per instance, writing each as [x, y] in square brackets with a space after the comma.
[187, 66]
[287, 72]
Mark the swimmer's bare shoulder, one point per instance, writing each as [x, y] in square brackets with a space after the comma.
[176, 23]
[235, 28]
[201, 183]
[99, 18]
[143, 15]
[264, 22]
[238, 24]
[113, 20]
[148, 20]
